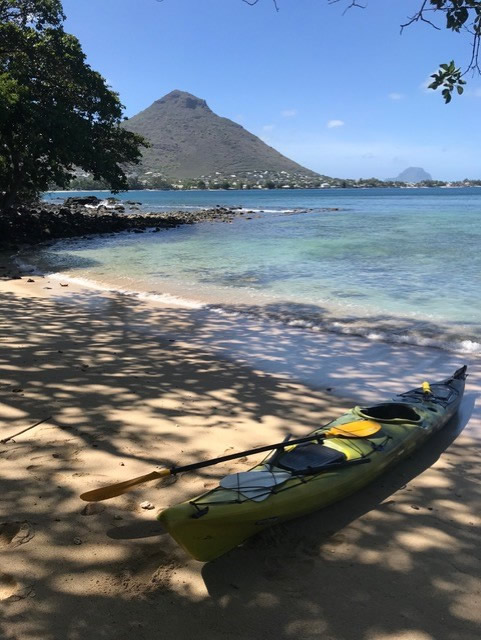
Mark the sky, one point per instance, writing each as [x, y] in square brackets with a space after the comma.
[342, 93]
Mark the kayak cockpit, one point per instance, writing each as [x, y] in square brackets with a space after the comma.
[390, 412]
[309, 458]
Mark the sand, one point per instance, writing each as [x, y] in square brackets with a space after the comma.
[127, 385]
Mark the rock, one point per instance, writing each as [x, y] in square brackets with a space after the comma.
[77, 541]
[146, 505]
[81, 200]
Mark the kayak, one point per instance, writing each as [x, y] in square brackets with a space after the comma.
[299, 479]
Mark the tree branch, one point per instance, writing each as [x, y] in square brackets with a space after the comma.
[253, 2]
[419, 17]
[350, 6]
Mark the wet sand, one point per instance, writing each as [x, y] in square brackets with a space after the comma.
[129, 385]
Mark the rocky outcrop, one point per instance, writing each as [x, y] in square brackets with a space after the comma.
[35, 224]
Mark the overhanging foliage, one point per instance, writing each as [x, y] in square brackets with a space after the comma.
[56, 113]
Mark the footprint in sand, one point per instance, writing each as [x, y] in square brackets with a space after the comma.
[13, 534]
[8, 586]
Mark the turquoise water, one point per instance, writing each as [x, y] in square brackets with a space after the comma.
[398, 265]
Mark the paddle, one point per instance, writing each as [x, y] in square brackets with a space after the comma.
[358, 429]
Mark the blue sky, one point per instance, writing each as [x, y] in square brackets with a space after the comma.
[341, 94]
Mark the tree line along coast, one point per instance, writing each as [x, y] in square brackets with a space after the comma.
[259, 180]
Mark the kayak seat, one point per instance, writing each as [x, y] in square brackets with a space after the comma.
[391, 411]
[309, 458]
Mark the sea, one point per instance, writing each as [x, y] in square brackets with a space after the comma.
[393, 265]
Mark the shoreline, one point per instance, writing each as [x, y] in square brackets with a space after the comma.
[131, 384]
[397, 330]
[434, 314]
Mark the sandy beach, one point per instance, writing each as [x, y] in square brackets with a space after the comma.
[128, 385]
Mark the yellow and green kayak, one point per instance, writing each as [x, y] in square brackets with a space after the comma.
[299, 479]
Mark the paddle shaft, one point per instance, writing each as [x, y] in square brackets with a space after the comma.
[337, 432]
[111, 491]
[248, 452]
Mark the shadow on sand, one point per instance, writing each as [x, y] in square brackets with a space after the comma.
[131, 385]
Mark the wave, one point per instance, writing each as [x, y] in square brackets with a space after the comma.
[248, 210]
[166, 298]
[172, 207]
[443, 339]
[360, 327]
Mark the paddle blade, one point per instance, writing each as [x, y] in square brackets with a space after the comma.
[104, 493]
[358, 429]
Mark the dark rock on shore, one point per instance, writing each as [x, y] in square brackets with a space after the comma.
[81, 200]
[35, 224]
[92, 202]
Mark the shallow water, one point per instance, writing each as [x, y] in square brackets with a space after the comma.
[398, 265]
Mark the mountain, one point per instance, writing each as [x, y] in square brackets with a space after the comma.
[413, 174]
[189, 140]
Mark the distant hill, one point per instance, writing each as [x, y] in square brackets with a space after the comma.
[413, 174]
[189, 140]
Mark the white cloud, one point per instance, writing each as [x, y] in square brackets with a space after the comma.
[289, 113]
[332, 124]
[268, 127]
[395, 96]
